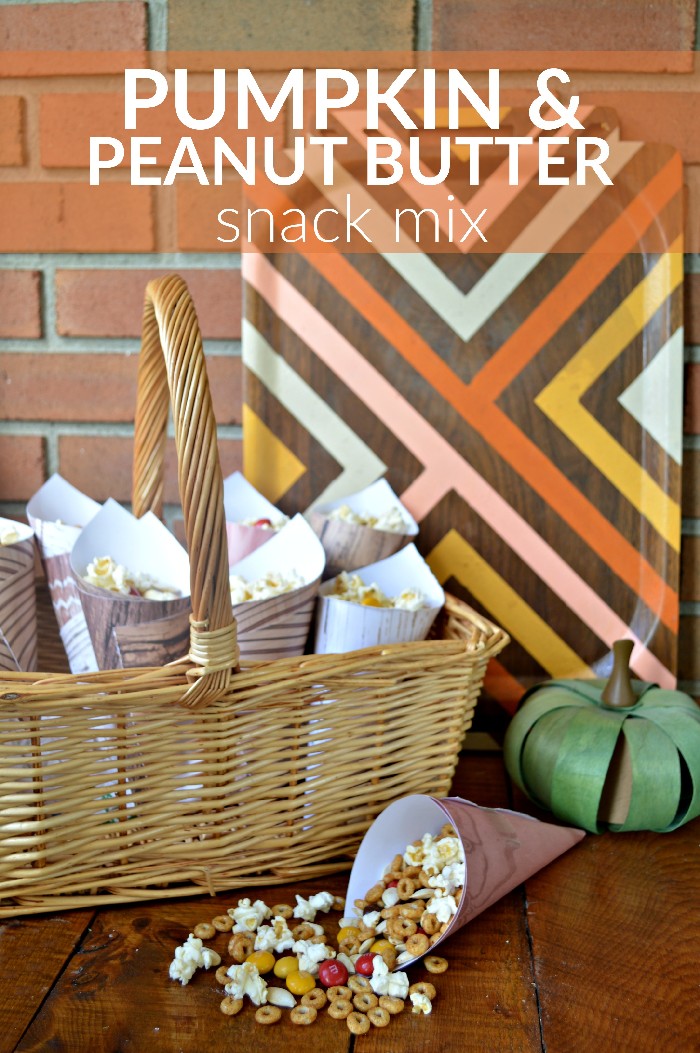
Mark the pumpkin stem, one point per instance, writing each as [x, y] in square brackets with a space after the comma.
[618, 692]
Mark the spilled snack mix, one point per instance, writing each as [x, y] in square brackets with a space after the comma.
[355, 977]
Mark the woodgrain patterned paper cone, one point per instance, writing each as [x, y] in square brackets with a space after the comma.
[342, 626]
[349, 545]
[154, 631]
[243, 501]
[278, 627]
[18, 639]
[502, 848]
[57, 513]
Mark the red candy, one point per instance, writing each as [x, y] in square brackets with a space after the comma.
[262, 522]
[332, 973]
[365, 964]
[392, 884]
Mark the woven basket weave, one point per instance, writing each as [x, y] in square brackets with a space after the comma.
[162, 782]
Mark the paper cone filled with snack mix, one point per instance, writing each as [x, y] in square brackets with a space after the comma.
[393, 601]
[362, 528]
[18, 636]
[273, 593]
[133, 578]
[57, 513]
[432, 864]
[251, 519]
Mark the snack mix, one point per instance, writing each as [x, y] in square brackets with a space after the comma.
[352, 588]
[265, 523]
[272, 584]
[352, 977]
[391, 520]
[107, 574]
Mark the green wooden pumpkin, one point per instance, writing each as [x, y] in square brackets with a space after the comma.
[618, 755]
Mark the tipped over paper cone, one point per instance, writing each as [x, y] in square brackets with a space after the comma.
[501, 848]
[57, 513]
[18, 637]
[130, 631]
[242, 502]
[343, 626]
[352, 545]
[278, 627]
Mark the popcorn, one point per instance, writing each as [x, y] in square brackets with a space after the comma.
[248, 916]
[307, 909]
[8, 535]
[384, 982]
[443, 907]
[275, 937]
[391, 520]
[246, 980]
[311, 954]
[421, 1003]
[351, 587]
[192, 955]
[107, 574]
[272, 584]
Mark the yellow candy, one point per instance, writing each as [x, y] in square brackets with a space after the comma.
[262, 960]
[349, 930]
[300, 983]
[379, 946]
[285, 966]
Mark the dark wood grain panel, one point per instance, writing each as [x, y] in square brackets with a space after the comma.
[33, 952]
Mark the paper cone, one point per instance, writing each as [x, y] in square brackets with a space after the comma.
[348, 545]
[343, 626]
[501, 848]
[18, 638]
[243, 501]
[145, 546]
[278, 627]
[57, 513]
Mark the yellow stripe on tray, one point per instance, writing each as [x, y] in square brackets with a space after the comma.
[455, 557]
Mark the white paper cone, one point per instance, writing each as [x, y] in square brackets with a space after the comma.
[342, 626]
[350, 545]
[57, 513]
[146, 547]
[278, 627]
[243, 501]
[502, 849]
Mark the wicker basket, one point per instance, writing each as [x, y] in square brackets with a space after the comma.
[151, 783]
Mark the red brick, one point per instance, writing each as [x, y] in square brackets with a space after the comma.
[67, 121]
[75, 217]
[73, 27]
[11, 130]
[197, 209]
[102, 465]
[689, 648]
[625, 25]
[690, 568]
[691, 484]
[278, 25]
[20, 307]
[86, 387]
[657, 116]
[691, 408]
[110, 302]
[22, 469]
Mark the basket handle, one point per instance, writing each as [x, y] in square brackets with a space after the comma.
[172, 371]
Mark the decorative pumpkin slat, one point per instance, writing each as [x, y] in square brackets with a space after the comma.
[619, 755]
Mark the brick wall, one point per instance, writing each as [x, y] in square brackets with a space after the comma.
[72, 278]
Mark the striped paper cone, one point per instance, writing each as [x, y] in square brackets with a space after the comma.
[501, 848]
[350, 545]
[18, 636]
[57, 513]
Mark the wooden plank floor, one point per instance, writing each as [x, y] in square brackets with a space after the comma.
[600, 952]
